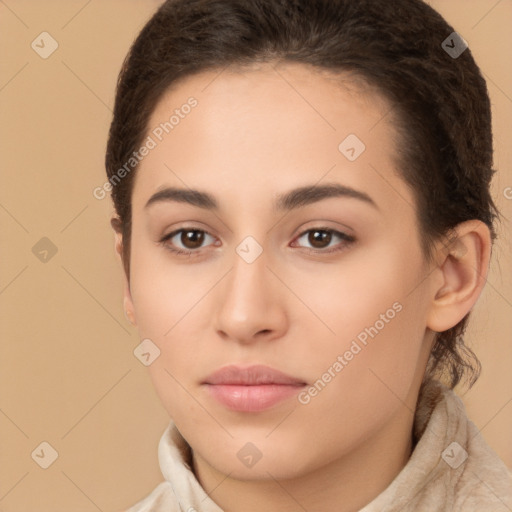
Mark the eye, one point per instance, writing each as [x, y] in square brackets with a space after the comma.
[321, 237]
[190, 239]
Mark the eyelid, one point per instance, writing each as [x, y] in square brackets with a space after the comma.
[325, 224]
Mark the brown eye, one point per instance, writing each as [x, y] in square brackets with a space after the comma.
[319, 240]
[186, 241]
[192, 238]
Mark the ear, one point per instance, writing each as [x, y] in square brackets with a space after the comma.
[462, 268]
[129, 310]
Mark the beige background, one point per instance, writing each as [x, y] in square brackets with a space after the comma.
[68, 375]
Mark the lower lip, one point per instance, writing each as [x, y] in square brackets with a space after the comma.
[252, 398]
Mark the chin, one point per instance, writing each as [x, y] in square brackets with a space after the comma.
[245, 461]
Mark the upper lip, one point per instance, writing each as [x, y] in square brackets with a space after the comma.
[251, 376]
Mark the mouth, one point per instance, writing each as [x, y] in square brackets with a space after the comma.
[251, 389]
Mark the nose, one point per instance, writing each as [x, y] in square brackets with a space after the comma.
[251, 303]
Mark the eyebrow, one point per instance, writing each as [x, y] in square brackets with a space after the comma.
[290, 200]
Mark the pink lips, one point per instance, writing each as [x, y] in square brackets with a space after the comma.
[251, 389]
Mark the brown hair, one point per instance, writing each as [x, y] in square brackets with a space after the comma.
[440, 101]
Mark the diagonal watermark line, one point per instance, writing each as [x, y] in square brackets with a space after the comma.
[102, 397]
[209, 493]
[497, 86]
[496, 290]
[86, 86]
[19, 19]
[486, 279]
[300, 299]
[14, 218]
[413, 412]
[74, 218]
[447, 248]
[14, 424]
[486, 14]
[85, 494]
[96, 300]
[13, 279]
[413, 208]
[194, 305]
[391, 391]
[199, 403]
[5, 495]
[186, 185]
[494, 416]
[288, 212]
[286, 491]
[391, 186]
[282, 421]
[75, 15]
[421, 282]
[215, 77]
[433, 476]
[491, 489]
[274, 67]
[14, 76]
[380, 119]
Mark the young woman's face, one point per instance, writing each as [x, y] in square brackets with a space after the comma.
[328, 287]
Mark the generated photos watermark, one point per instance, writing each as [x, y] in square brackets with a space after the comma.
[157, 135]
[356, 346]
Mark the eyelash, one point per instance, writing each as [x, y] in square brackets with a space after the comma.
[348, 239]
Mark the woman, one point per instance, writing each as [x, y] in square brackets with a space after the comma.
[304, 218]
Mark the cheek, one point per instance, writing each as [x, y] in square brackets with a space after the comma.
[364, 290]
[375, 309]
[367, 378]
[164, 294]
[169, 303]
[380, 322]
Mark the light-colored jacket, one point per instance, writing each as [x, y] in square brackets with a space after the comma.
[451, 468]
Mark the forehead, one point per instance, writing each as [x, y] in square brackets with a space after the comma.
[276, 94]
[273, 125]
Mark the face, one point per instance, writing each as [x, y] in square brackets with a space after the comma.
[330, 288]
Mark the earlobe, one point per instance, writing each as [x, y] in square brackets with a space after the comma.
[463, 267]
[118, 245]
[128, 308]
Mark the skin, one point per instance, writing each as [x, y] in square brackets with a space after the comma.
[255, 134]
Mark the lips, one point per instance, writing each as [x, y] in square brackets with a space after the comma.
[250, 376]
[251, 389]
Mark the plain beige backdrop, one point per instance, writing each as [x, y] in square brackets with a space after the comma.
[68, 375]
